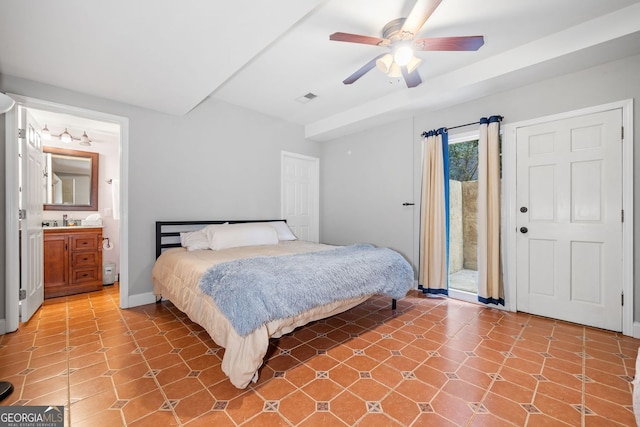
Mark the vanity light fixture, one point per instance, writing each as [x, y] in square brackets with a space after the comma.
[45, 133]
[84, 139]
[65, 136]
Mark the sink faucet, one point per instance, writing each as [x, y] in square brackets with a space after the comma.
[64, 220]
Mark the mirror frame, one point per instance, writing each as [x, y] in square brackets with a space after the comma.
[93, 198]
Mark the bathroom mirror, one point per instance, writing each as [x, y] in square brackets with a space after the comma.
[71, 180]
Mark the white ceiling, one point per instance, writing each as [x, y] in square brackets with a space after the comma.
[169, 56]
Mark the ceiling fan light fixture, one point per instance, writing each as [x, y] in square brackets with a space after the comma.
[395, 71]
[65, 136]
[413, 64]
[384, 64]
[403, 55]
[45, 133]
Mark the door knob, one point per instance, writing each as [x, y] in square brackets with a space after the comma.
[524, 230]
[523, 209]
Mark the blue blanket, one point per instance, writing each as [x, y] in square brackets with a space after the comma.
[251, 292]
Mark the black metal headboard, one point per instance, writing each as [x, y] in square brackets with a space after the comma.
[168, 232]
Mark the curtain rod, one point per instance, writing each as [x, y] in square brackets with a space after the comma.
[461, 126]
[471, 124]
[466, 124]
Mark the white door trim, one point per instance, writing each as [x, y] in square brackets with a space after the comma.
[509, 204]
[12, 195]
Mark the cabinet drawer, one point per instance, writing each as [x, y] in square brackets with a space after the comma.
[81, 275]
[82, 242]
[84, 259]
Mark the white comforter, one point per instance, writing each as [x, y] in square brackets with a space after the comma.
[175, 277]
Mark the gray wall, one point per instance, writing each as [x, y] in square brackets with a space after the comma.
[217, 162]
[365, 179]
[351, 202]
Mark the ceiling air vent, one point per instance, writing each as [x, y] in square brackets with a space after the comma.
[306, 98]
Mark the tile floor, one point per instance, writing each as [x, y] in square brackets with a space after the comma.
[433, 362]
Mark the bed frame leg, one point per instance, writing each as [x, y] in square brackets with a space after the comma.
[158, 299]
[393, 303]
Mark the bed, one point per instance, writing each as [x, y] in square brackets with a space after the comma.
[179, 275]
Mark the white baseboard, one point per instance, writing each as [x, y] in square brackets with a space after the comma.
[3, 327]
[141, 299]
[636, 329]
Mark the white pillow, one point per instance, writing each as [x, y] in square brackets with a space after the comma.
[284, 232]
[194, 240]
[249, 234]
[199, 239]
[210, 230]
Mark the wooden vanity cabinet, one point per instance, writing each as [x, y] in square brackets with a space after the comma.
[72, 261]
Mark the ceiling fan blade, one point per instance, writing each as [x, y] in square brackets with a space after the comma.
[362, 71]
[357, 38]
[421, 11]
[411, 79]
[449, 43]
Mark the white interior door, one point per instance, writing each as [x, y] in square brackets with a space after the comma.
[569, 196]
[301, 195]
[32, 198]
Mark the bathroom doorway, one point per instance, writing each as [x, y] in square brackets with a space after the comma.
[88, 131]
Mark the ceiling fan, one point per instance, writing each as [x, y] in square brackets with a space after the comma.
[399, 37]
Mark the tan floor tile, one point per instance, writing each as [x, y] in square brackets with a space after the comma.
[46, 386]
[297, 406]
[142, 406]
[556, 409]
[154, 419]
[348, 407]
[431, 362]
[244, 407]
[452, 408]
[182, 388]
[135, 388]
[378, 420]
[275, 389]
[321, 419]
[90, 387]
[345, 375]
[323, 390]
[86, 408]
[194, 405]
[368, 389]
[510, 410]
[211, 418]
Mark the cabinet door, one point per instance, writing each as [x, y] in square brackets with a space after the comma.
[56, 260]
